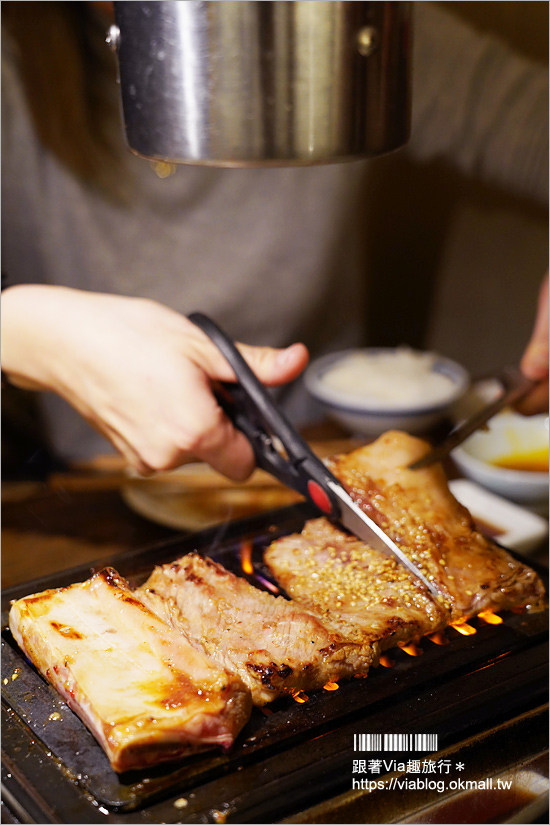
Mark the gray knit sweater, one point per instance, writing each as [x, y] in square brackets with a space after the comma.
[275, 255]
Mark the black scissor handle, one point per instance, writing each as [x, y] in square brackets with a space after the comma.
[251, 409]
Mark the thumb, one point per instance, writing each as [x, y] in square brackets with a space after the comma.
[272, 366]
[275, 366]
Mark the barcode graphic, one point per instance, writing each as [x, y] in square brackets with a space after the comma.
[395, 742]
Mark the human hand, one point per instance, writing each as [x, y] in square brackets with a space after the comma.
[139, 372]
[534, 363]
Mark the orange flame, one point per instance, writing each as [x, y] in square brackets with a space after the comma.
[490, 617]
[412, 649]
[438, 638]
[300, 696]
[246, 557]
[464, 628]
[331, 686]
[385, 661]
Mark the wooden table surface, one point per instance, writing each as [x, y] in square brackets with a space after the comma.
[47, 528]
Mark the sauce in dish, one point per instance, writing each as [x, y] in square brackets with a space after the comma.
[534, 461]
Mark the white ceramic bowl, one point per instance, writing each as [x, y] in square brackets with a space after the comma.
[364, 415]
[507, 434]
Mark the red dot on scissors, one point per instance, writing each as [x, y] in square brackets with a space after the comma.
[319, 497]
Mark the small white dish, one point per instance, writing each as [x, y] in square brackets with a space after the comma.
[370, 391]
[509, 524]
[508, 434]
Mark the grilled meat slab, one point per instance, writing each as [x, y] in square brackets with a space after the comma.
[274, 645]
[350, 585]
[352, 588]
[418, 511]
[170, 669]
[144, 692]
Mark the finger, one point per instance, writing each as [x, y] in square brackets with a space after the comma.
[212, 437]
[126, 450]
[226, 449]
[534, 363]
[199, 431]
[232, 455]
[535, 402]
[276, 366]
[203, 430]
[273, 366]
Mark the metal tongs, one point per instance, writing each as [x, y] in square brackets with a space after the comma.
[515, 385]
[283, 453]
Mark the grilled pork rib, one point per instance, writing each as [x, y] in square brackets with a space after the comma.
[144, 692]
[347, 584]
[150, 672]
[419, 512]
[351, 588]
[272, 644]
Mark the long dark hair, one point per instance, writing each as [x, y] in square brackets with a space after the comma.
[69, 78]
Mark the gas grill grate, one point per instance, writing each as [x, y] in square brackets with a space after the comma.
[289, 755]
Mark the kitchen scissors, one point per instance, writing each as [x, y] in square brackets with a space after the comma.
[282, 452]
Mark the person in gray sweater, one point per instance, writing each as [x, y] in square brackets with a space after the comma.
[105, 256]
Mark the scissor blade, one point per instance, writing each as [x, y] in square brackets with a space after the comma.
[358, 523]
